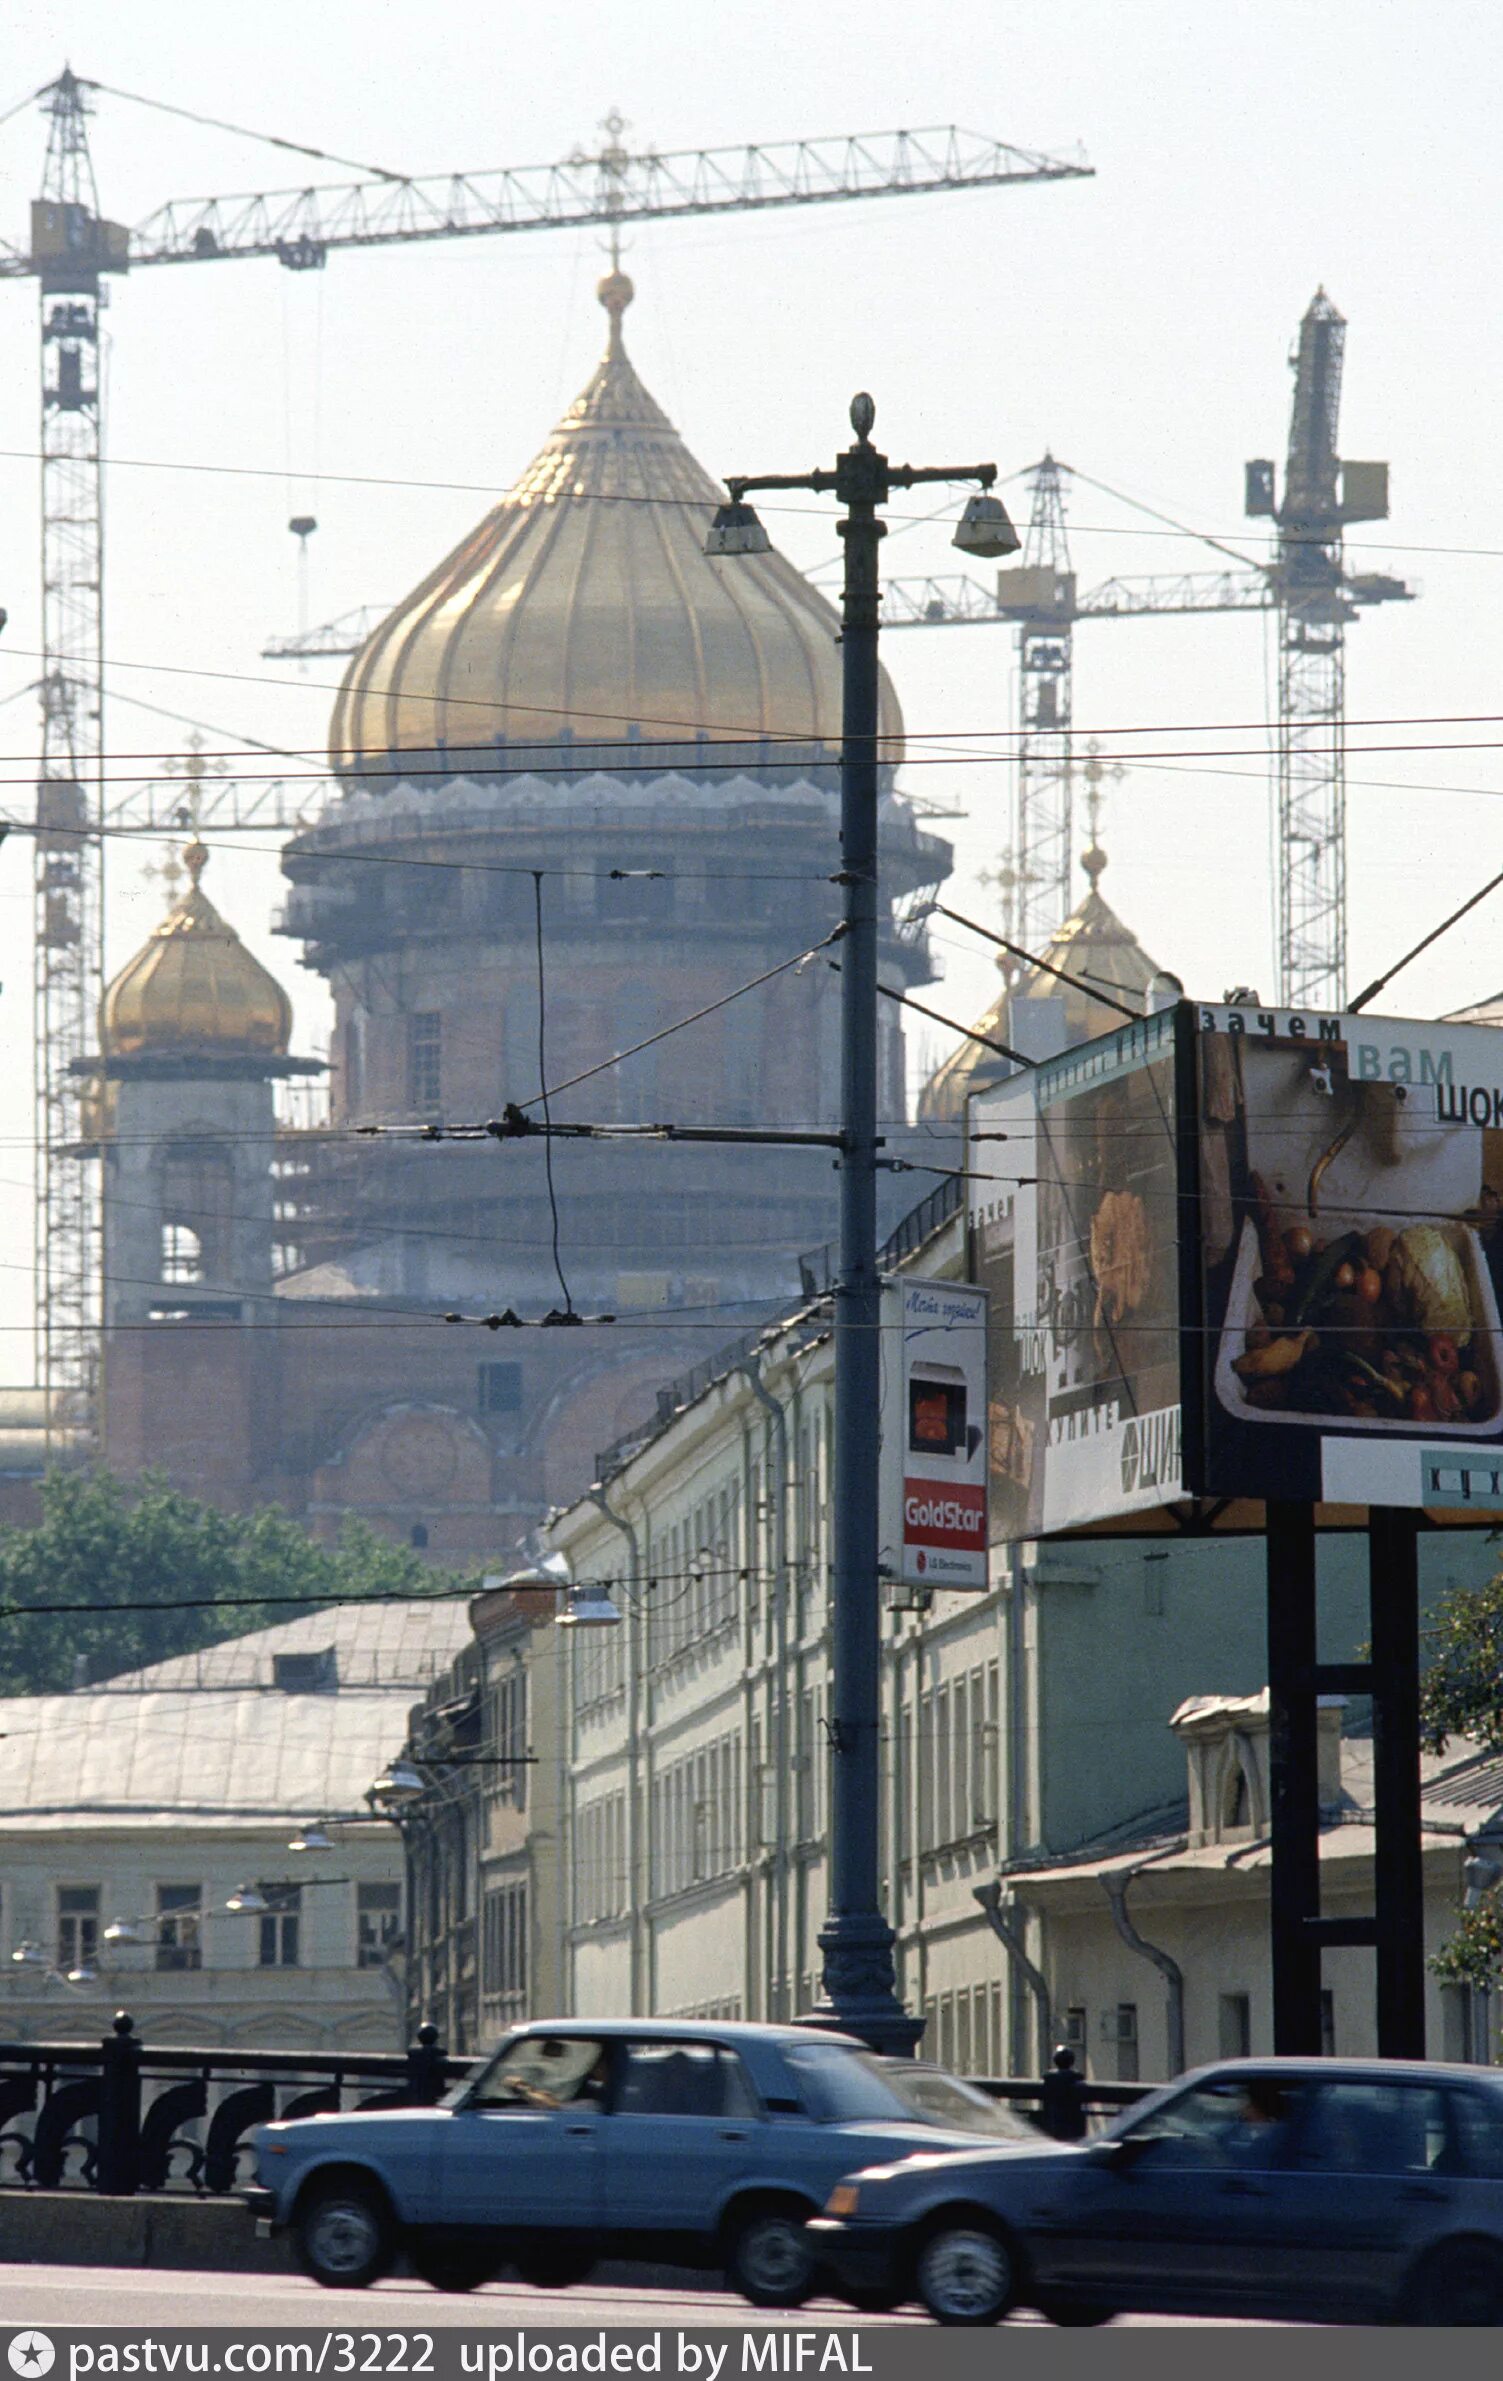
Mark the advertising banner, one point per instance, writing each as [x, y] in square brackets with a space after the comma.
[1350, 1175]
[934, 1434]
[1075, 1207]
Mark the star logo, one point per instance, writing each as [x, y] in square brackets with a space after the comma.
[31, 2353]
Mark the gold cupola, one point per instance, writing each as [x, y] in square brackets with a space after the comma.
[583, 610]
[1094, 952]
[193, 987]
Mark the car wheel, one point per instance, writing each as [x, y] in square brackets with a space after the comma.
[554, 2265]
[343, 2236]
[1074, 2314]
[452, 2265]
[771, 2259]
[1462, 2282]
[966, 2273]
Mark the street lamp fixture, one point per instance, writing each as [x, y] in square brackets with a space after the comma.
[589, 1608]
[860, 1993]
[985, 530]
[307, 1839]
[123, 1933]
[29, 1955]
[737, 530]
[398, 1783]
[247, 1900]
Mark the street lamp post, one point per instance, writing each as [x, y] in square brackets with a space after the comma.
[859, 1981]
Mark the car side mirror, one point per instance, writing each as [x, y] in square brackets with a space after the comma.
[1123, 2154]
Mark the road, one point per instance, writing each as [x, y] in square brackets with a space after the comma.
[128, 2298]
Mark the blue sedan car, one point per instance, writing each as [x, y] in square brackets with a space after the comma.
[1312, 2190]
[696, 2144]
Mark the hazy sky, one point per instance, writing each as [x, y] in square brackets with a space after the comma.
[1246, 150]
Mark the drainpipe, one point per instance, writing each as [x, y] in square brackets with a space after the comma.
[596, 1496]
[780, 1748]
[1009, 1933]
[1115, 1886]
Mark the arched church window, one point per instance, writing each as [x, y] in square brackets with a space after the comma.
[182, 1253]
[198, 1191]
[1236, 1802]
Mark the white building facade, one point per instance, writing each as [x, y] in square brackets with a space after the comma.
[150, 1834]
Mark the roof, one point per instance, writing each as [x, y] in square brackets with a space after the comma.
[193, 985]
[1461, 1795]
[1104, 962]
[214, 1738]
[583, 609]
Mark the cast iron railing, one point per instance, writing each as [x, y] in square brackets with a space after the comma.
[119, 2117]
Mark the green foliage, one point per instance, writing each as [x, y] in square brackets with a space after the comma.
[1461, 1693]
[1474, 1954]
[158, 1574]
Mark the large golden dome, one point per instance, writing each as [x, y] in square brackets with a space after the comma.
[193, 986]
[584, 608]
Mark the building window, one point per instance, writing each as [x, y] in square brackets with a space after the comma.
[1234, 2031]
[499, 1388]
[1122, 2026]
[1074, 2037]
[509, 1734]
[177, 1926]
[418, 1535]
[425, 1061]
[505, 1947]
[182, 1253]
[378, 1924]
[279, 1926]
[77, 1926]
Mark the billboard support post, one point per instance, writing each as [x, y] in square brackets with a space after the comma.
[1296, 1681]
[1293, 1781]
[1393, 1543]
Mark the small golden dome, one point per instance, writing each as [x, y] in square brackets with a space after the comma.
[584, 607]
[1098, 954]
[194, 986]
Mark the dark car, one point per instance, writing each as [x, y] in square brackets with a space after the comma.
[1314, 2190]
[701, 2144]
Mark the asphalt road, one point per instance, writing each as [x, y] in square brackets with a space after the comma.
[117, 2297]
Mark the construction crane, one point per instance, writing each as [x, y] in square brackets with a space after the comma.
[1306, 583]
[72, 251]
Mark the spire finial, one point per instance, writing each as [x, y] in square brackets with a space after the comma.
[615, 293]
[1095, 771]
[195, 860]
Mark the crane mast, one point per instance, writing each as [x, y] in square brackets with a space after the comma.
[72, 247]
[1316, 599]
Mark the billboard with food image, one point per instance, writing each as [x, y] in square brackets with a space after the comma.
[1350, 1178]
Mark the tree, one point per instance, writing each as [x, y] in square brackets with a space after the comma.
[148, 1572]
[1461, 1694]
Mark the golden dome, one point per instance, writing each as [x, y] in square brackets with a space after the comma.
[193, 986]
[1096, 951]
[568, 616]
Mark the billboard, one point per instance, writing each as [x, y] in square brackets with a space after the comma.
[934, 1502]
[1075, 1180]
[1349, 1181]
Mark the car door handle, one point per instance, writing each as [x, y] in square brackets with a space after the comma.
[1239, 2188]
[733, 2133]
[581, 2132]
[1423, 2191]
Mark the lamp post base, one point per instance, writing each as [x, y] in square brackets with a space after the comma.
[860, 1993]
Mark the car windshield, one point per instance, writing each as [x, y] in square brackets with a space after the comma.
[840, 2086]
[936, 2098]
